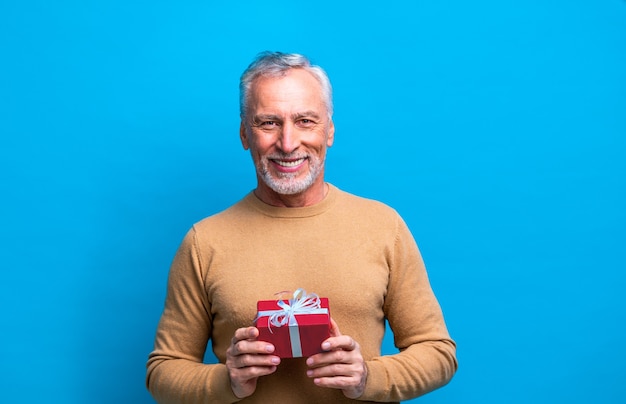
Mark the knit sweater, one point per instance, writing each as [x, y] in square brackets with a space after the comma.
[356, 252]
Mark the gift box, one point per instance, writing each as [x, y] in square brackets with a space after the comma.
[296, 327]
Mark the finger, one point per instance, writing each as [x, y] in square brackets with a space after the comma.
[245, 347]
[334, 328]
[344, 342]
[334, 332]
[335, 370]
[337, 382]
[246, 333]
[332, 357]
[244, 342]
[254, 361]
[349, 378]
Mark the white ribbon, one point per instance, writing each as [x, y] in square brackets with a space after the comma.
[301, 303]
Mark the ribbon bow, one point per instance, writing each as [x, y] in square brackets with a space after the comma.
[301, 303]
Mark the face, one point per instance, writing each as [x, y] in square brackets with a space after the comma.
[287, 130]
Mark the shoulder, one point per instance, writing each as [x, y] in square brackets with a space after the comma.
[367, 215]
[360, 205]
[232, 217]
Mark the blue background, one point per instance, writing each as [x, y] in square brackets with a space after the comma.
[496, 128]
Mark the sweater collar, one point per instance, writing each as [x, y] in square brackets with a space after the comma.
[306, 211]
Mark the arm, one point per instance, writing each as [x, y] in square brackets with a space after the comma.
[175, 372]
[427, 358]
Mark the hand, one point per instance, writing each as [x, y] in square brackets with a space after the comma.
[341, 366]
[247, 359]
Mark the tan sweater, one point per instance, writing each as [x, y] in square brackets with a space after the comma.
[357, 252]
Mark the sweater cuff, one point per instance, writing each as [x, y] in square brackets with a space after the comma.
[376, 383]
[222, 384]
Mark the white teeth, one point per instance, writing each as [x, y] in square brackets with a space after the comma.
[289, 163]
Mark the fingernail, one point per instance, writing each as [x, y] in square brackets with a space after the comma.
[269, 348]
[326, 346]
[309, 373]
[275, 360]
[309, 361]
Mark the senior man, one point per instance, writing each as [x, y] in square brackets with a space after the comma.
[294, 230]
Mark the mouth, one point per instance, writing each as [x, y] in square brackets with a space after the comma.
[288, 165]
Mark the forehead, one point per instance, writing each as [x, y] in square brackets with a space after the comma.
[296, 89]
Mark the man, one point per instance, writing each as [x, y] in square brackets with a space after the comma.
[297, 231]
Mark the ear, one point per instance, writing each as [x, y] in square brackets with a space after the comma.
[330, 139]
[243, 136]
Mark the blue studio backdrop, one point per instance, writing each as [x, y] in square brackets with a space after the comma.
[496, 128]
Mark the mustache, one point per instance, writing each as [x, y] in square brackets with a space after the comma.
[287, 156]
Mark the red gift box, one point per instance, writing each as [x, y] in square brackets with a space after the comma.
[296, 327]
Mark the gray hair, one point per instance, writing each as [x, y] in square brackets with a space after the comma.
[276, 64]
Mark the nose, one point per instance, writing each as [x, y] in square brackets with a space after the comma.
[288, 140]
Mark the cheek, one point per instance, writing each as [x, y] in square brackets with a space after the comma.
[258, 153]
[261, 143]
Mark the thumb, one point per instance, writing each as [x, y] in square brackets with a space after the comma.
[334, 329]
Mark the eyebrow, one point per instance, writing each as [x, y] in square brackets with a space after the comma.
[296, 116]
[305, 114]
[265, 117]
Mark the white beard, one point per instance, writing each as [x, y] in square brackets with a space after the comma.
[288, 183]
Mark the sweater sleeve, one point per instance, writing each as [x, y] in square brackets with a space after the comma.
[427, 357]
[175, 372]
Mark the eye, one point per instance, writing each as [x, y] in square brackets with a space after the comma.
[306, 123]
[268, 124]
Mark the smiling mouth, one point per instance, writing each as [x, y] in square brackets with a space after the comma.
[289, 163]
